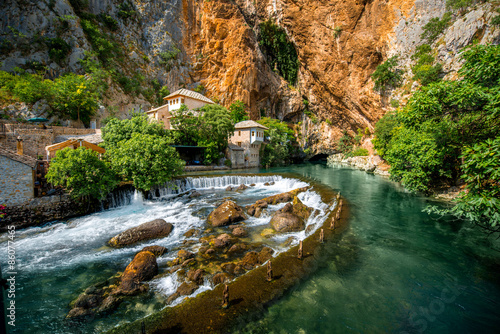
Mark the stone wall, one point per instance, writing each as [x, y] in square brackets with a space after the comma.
[45, 209]
[16, 182]
[35, 139]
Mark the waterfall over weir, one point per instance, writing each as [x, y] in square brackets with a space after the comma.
[178, 186]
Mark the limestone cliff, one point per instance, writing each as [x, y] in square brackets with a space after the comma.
[339, 45]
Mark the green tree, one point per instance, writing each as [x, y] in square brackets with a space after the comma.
[216, 126]
[147, 160]
[276, 151]
[75, 96]
[186, 125]
[480, 202]
[278, 148]
[383, 132]
[117, 130]
[32, 87]
[238, 112]
[273, 123]
[82, 173]
[387, 75]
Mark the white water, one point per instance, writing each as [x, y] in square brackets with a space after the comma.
[77, 248]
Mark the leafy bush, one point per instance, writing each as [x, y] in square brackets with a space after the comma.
[427, 74]
[82, 173]
[108, 21]
[238, 112]
[480, 202]
[423, 70]
[461, 4]
[228, 163]
[58, 49]
[168, 56]
[424, 141]
[101, 43]
[146, 160]
[435, 27]
[359, 152]
[279, 50]
[383, 132]
[126, 10]
[344, 144]
[387, 75]
[31, 88]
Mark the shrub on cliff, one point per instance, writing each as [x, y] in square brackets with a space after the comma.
[82, 173]
[387, 75]
[279, 50]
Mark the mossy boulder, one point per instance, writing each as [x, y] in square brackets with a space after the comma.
[142, 268]
[156, 250]
[285, 220]
[154, 229]
[256, 208]
[300, 209]
[225, 214]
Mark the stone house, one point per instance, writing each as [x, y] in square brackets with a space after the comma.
[17, 177]
[192, 100]
[249, 136]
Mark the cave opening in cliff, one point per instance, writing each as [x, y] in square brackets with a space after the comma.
[319, 157]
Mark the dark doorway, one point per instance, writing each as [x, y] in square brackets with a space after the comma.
[319, 157]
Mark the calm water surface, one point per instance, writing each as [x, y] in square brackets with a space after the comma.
[396, 269]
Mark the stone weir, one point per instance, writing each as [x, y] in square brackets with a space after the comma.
[228, 307]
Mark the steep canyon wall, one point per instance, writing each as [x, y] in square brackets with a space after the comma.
[339, 45]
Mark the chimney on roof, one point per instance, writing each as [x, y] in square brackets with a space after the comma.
[20, 149]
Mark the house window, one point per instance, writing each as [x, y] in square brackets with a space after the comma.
[182, 100]
[253, 133]
[239, 133]
[239, 144]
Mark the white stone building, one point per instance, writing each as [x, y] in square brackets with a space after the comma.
[192, 100]
[248, 135]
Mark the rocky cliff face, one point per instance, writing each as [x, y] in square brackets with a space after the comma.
[339, 45]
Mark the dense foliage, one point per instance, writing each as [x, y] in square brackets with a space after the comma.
[387, 75]
[210, 128]
[424, 71]
[117, 130]
[279, 50]
[238, 112]
[446, 131]
[70, 96]
[279, 146]
[82, 173]
[147, 160]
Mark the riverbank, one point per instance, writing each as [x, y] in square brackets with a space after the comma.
[371, 164]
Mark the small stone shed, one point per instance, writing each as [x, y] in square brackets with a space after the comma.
[17, 177]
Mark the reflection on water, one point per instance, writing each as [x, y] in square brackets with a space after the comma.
[407, 272]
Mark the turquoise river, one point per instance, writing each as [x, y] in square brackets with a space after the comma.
[395, 269]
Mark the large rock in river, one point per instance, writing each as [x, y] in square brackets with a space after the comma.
[142, 268]
[227, 213]
[157, 228]
[256, 208]
[284, 220]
